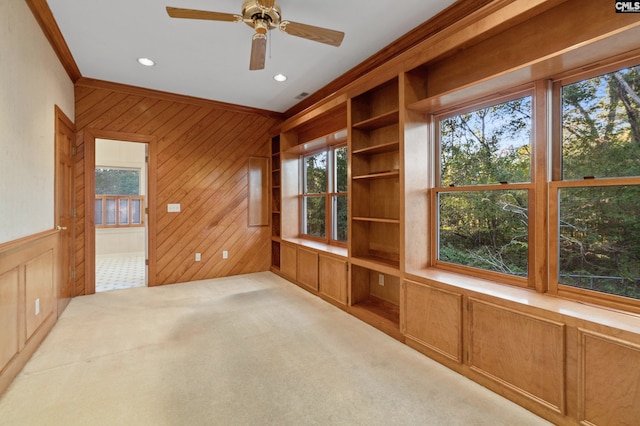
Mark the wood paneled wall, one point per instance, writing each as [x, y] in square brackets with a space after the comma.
[201, 153]
[29, 289]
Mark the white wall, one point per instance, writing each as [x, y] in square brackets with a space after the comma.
[120, 241]
[32, 82]
[110, 153]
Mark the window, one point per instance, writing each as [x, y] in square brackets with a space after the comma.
[483, 188]
[112, 181]
[118, 202]
[339, 195]
[324, 195]
[490, 174]
[314, 199]
[597, 185]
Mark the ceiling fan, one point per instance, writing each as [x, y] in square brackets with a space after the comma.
[262, 16]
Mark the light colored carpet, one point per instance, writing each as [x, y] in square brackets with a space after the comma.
[246, 350]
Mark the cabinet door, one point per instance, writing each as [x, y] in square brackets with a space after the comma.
[433, 319]
[333, 278]
[308, 268]
[288, 261]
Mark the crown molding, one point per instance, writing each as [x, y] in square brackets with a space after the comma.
[41, 11]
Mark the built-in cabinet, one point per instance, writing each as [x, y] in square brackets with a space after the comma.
[307, 268]
[558, 360]
[322, 271]
[289, 260]
[563, 360]
[333, 279]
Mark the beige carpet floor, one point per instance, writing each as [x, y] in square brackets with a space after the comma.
[246, 350]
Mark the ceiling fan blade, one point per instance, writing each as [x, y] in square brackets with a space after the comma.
[176, 12]
[258, 51]
[322, 35]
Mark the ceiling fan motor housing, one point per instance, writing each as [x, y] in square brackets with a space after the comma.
[261, 17]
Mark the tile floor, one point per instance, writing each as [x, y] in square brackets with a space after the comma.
[119, 271]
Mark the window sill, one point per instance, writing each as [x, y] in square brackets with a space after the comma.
[570, 308]
[316, 245]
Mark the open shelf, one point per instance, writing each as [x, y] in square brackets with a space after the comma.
[379, 175]
[275, 224]
[375, 298]
[375, 219]
[376, 200]
[275, 199]
[275, 145]
[381, 308]
[382, 120]
[392, 146]
[381, 263]
[377, 107]
[275, 254]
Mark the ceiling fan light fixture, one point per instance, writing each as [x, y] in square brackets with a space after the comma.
[146, 62]
[280, 78]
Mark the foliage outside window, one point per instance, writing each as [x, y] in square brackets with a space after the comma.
[339, 196]
[118, 202]
[324, 195]
[112, 181]
[483, 186]
[598, 185]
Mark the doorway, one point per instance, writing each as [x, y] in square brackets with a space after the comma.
[121, 223]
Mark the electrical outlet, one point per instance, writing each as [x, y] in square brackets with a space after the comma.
[198, 257]
[37, 306]
[173, 208]
[225, 254]
[381, 279]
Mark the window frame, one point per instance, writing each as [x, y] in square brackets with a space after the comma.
[532, 187]
[329, 195]
[557, 183]
[117, 199]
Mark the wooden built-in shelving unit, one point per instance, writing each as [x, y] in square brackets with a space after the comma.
[375, 204]
[554, 357]
[275, 202]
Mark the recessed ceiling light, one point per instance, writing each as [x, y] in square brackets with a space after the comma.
[146, 62]
[280, 77]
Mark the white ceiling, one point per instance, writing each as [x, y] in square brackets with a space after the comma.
[210, 60]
